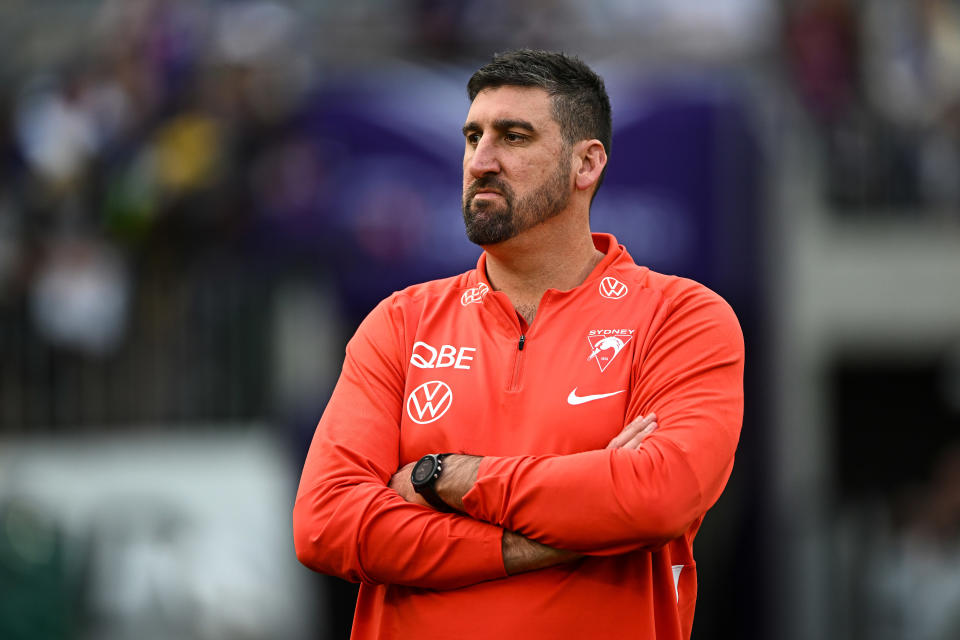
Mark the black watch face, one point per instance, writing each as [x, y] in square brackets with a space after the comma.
[423, 470]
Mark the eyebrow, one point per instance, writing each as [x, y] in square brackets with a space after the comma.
[501, 124]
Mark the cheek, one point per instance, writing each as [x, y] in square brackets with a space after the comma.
[535, 167]
[529, 174]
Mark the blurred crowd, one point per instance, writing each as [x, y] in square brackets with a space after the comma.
[881, 81]
[135, 177]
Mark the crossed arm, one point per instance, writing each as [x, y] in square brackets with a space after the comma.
[518, 513]
[460, 474]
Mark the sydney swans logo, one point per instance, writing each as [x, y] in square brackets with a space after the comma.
[429, 402]
[606, 344]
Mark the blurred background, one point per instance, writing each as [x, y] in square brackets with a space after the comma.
[199, 201]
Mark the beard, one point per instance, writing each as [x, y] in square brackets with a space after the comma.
[493, 222]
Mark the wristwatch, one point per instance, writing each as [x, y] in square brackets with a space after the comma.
[425, 475]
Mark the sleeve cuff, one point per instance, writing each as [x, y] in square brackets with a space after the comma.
[477, 502]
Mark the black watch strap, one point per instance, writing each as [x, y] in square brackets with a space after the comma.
[427, 486]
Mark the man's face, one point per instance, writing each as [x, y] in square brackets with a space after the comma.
[516, 169]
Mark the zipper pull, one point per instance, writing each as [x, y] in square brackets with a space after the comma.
[523, 339]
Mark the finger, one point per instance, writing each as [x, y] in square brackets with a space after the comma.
[635, 441]
[630, 431]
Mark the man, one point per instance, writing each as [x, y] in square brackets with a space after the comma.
[585, 409]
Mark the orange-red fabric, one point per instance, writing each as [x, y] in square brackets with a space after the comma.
[439, 367]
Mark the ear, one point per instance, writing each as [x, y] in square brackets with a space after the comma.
[593, 158]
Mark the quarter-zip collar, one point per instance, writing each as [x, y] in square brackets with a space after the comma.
[499, 304]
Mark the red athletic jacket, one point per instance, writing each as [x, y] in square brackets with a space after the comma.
[448, 366]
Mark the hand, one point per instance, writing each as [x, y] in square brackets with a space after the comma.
[522, 554]
[634, 433]
[400, 482]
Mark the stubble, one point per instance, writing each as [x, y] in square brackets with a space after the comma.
[491, 222]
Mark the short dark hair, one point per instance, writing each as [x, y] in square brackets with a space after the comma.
[579, 97]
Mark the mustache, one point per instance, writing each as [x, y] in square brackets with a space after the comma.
[488, 182]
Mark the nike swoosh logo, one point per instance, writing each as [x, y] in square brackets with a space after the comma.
[574, 399]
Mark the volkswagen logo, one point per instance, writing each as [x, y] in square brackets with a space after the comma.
[612, 288]
[429, 402]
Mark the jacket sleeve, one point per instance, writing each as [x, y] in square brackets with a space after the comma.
[346, 521]
[690, 373]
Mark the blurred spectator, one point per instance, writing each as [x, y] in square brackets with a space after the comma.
[912, 580]
[823, 47]
[55, 131]
[80, 296]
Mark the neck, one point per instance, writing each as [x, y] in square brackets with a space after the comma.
[548, 256]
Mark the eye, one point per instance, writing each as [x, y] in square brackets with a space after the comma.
[473, 139]
[513, 137]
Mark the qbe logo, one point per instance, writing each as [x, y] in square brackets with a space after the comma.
[612, 288]
[425, 356]
[429, 402]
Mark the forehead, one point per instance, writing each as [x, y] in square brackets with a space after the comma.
[532, 104]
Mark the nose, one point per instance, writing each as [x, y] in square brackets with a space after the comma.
[482, 159]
